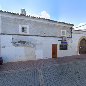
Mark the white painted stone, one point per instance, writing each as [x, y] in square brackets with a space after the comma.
[37, 43]
[42, 49]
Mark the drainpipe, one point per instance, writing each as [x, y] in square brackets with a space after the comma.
[71, 32]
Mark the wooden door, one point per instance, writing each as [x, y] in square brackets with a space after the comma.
[54, 50]
[82, 46]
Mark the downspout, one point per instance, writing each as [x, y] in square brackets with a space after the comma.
[71, 29]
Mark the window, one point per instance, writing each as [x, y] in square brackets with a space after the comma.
[63, 46]
[23, 29]
[63, 32]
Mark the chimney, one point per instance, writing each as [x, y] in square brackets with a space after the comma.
[23, 12]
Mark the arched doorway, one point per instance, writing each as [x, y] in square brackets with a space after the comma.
[82, 46]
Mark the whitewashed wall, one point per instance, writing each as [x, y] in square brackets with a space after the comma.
[76, 40]
[10, 25]
[42, 50]
[11, 53]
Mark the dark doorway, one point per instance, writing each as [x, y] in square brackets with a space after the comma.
[54, 50]
[82, 46]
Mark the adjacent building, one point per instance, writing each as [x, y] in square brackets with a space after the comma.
[79, 42]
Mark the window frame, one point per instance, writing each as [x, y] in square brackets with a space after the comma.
[63, 47]
[64, 34]
[27, 29]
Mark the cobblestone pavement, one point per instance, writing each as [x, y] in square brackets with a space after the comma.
[66, 71]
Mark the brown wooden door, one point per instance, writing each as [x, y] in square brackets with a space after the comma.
[54, 50]
[82, 46]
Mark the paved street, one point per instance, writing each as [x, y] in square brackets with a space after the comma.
[49, 72]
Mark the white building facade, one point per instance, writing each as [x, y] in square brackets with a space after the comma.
[28, 38]
[79, 42]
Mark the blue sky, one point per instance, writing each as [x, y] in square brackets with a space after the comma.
[70, 11]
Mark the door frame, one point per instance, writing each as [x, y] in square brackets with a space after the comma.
[54, 50]
[83, 37]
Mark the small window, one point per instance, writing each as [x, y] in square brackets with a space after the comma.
[23, 29]
[63, 32]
